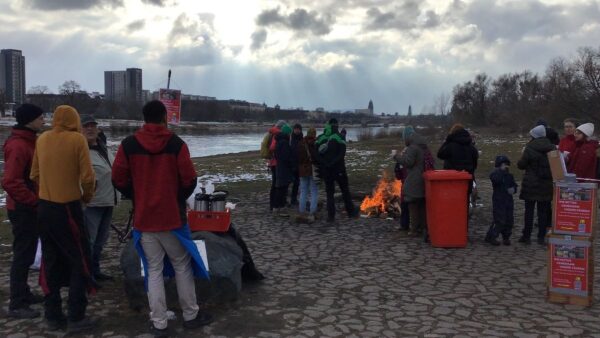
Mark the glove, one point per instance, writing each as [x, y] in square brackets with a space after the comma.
[512, 190]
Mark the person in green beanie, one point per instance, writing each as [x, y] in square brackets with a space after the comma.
[332, 151]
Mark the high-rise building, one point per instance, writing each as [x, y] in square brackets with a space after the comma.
[133, 86]
[12, 75]
[370, 107]
[123, 85]
[114, 85]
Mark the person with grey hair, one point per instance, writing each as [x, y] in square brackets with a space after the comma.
[537, 187]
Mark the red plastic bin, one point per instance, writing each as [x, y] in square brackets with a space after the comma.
[446, 204]
[215, 221]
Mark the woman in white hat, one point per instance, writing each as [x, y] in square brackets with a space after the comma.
[584, 160]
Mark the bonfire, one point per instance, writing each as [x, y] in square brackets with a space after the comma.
[385, 199]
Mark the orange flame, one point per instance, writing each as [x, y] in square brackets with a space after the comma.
[384, 193]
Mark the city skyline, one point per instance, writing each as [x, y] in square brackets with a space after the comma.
[332, 54]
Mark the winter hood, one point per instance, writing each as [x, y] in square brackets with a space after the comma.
[460, 136]
[66, 118]
[153, 137]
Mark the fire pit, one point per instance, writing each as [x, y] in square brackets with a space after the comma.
[384, 202]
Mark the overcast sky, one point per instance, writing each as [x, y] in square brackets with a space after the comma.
[335, 54]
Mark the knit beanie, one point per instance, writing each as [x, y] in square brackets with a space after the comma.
[298, 126]
[27, 113]
[408, 130]
[587, 129]
[286, 130]
[538, 131]
[312, 132]
[279, 123]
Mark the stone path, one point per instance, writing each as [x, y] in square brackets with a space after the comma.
[359, 278]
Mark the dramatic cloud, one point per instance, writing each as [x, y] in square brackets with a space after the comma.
[72, 4]
[192, 42]
[259, 37]
[136, 25]
[402, 17]
[298, 20]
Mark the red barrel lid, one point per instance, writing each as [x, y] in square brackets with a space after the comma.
[446, 175]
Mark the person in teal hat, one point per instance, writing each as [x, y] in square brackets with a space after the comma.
[332, 151]
[284, 174]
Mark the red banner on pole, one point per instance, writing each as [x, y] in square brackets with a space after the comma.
[171, 98]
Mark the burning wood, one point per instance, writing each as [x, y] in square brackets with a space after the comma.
[385, 200]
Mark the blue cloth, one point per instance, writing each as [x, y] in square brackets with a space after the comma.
[184, 236]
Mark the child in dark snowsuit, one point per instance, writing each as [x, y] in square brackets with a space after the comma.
[505, 187]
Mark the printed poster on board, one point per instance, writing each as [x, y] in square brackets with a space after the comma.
[171, 98]
[569, 267]
[574, 208]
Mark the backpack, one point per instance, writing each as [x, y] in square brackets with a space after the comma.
[264, 146]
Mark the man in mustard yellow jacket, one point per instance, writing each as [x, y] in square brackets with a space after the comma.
[62, 168]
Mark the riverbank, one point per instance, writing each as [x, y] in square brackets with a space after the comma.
[356, 277]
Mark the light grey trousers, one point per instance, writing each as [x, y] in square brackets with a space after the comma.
[156, 245]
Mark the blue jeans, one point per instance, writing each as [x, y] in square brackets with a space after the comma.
[306, 183]
[97, 222]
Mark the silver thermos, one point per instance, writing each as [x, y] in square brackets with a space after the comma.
[202, 202]
[217, 201]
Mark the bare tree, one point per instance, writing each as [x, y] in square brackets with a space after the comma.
[441, 104]
[39, 90]
[69, 89]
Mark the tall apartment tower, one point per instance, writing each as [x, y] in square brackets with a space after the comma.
[121, 85]
[370, 107]
[133, 84]
[12, 75]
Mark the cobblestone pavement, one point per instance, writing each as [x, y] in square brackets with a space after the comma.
[359, 278]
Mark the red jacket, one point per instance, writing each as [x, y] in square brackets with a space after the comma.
[154, 168]
[274, 131]
[567, 143]
[18, 155]
[583, 161]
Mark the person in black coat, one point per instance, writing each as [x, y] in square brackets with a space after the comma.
[459, 153]
[284, 170]
[536, 188]
[504, 185]
[332, 151]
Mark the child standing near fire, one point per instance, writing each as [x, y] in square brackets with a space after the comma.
[505, 187]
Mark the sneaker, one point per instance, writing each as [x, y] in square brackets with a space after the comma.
[102, 277]
[282, 213]
[158, 333]
[301, 218]
[202, 319]
[85, 324]
[506, 241]
[524, 240]
[311, 218]
[24, 312]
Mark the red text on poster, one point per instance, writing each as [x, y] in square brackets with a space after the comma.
[171, 98]
[569, 267]
[573, 212]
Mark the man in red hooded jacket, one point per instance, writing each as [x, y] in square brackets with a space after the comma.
[567, 143]
[21, 205]
[154, 168]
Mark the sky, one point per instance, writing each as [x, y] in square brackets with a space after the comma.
[335, 54]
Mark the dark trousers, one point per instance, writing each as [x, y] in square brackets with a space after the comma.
[25, 233]
[295, 186]
[404, 216]
[272, 193]
[544, 209]
[418, 215]
[342, 180]
[280, 196]
[66, 258]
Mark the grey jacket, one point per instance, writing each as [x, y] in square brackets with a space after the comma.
[412, 159]
[105, 192]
